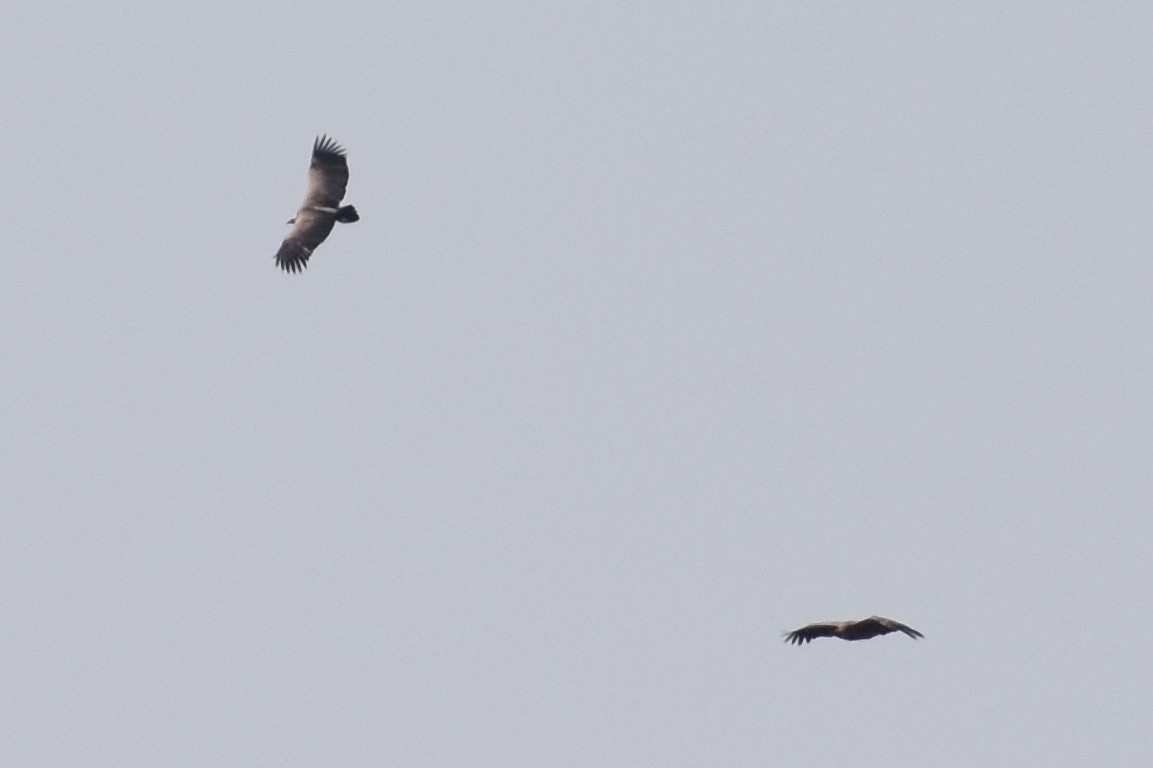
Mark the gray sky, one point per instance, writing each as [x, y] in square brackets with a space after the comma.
[666, 328]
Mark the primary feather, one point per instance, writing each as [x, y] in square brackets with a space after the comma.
[327, 179]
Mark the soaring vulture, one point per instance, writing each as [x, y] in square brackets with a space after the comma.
[327, 178]
[850, 630]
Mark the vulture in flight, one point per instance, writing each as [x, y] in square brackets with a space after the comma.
[850, 630]
[327, 177]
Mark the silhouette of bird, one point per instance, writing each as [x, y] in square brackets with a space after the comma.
[849, 630]
[327, 178]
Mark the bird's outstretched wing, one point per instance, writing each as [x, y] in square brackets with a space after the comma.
[885, 626]
[809, 632]
[327, 174]
[309, 230]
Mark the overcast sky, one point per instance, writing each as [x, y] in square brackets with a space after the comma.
[667, 327]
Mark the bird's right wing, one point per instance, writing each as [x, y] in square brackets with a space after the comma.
[806, 634]
[308, 231]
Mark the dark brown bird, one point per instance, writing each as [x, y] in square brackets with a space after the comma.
[849, 630]
[327, 178]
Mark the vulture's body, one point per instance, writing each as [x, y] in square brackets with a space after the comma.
[327, 178]
[849, 630]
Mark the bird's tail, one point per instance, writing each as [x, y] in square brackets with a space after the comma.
[347, 215]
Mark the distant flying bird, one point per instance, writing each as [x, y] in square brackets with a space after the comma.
[327, 178]
[850, 630]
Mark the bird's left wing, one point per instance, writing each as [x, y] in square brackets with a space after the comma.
[327, 174]
[895, 626]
